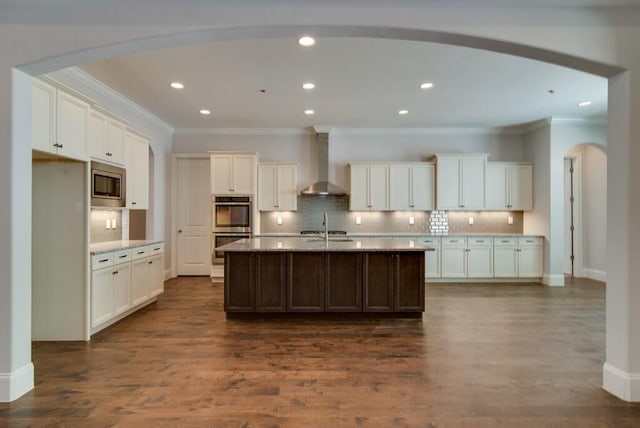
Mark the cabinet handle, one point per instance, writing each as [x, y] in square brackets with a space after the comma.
[412, 206]
[461, 206]
[133, 203]
[103, 260]
[140, 252]
[481, 240]
[122, 256]
[156, 249]
[149, 263]
[232, 190]
[114, 272]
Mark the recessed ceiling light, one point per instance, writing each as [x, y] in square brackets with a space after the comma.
[205, 112]
[584, 103]
[309, 112]
[177, 85]
[426, 85]
[306, 41]
[308, 85]
[403, 112]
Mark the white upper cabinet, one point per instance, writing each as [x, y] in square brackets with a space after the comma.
[233, 174]
[411, 187]
[277, 187]
[59, 122]
[107, 138]
[369, 187]
[509, 186]
[460, 181]
[137, 172]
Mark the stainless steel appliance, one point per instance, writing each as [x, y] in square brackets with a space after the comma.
[219, 239]
[232, 214]
[231, 217]
[108, 185]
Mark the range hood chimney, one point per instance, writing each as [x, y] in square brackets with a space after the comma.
[323, 187]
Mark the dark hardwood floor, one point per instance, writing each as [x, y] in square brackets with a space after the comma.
[484, 355]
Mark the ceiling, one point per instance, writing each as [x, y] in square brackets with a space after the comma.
[360, 83]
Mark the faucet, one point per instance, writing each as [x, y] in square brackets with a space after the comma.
[325, 223]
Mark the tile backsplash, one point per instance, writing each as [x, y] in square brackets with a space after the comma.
[99, 231]
[311, 209]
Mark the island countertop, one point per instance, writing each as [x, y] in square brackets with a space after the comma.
[316, 244]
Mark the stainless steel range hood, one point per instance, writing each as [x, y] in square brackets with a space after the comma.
[323, 187]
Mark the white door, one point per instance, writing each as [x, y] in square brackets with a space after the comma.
[473, 183]
[359, 198]
[400, 187]
[193, 217]
[379, 187]
[422, 187]
[448, 183]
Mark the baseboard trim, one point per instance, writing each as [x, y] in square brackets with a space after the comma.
[168, 274]
[553, 280]
[435, 280]
[625, 386]
[15, 385]
[595, 274]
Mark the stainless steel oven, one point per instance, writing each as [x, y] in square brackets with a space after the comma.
[220, 239]
[231, 214]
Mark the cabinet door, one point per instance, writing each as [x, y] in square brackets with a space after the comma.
[505, 262]
[306, 282]
[359, 197]
[243, 172]
[98, 125]
[409, 282]
[448, 183]
[422, 187]
[496, 188]
[139, 281]
[472, 188]
[521, 187]
[101, 296]
[239, 282]
[221, 167]
[72, 124]
[138, 173]
[116, 137]
[344, 282]
[156, 275]
[400, 177]
[379, 187]
[287, 187]
[121, 280]
[530, 262]
[454, 257]
[380, 274]
[43, 116]
[271, 282]
[267, 187]
[432, 258]
[480, 258]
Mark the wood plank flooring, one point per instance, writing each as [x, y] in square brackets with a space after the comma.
[484, 355]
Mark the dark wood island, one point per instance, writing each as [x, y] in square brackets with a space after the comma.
[367, 277]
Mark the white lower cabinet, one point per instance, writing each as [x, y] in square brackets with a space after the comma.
[467, 257]
[123, 281]
[518, 257]
[431, 258]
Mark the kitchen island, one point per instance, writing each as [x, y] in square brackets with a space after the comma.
[313, 275]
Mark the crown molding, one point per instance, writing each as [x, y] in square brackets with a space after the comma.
[595, 121]
[243, 131]
[428, 131]
[77, 75]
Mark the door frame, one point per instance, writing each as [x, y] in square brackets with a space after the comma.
[578, 231]
[173, 204]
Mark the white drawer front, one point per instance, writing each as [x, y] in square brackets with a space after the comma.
[505, 242]
[140, 252]
[481, 241]
[530, 241]
[156, 248]
[121, 256]
[458, 241]
[99, 261]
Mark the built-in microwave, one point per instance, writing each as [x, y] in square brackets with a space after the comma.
[108, 185]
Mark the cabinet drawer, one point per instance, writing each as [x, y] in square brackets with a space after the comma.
[430, 241]
[140, 252]
[458, 241]
[99, 261]
[481, 241]
[156, 249]
[505, 242]
[530, 242]
[122, 256]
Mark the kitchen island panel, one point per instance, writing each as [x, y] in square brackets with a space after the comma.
[239, 282]
[344, 284]
[379, 282]
[271, 277]
[306, 282]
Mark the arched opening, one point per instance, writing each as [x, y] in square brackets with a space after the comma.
[585, 211]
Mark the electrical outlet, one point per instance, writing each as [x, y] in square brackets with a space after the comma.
[510, 219]
[113, 223]
[412, 220]
[279, 221]
[358, 220]
[470, 220]
[107, 224]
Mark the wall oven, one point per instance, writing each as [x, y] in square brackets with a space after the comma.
[219, 239]
[231, 214]
[108, 185]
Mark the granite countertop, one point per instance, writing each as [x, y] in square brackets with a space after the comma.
[315, 244]
[106, 247]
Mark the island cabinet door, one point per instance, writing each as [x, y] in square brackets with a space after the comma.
[379, 278]
[344, 282]
[409, 282]
[271, 277]
[306, 282]
[239, 282]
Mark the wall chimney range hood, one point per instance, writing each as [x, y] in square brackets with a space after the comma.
[323, 187]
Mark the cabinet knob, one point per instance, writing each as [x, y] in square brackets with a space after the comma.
[149, 263]
[133, 203]
[412, 206]
[232, 190]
